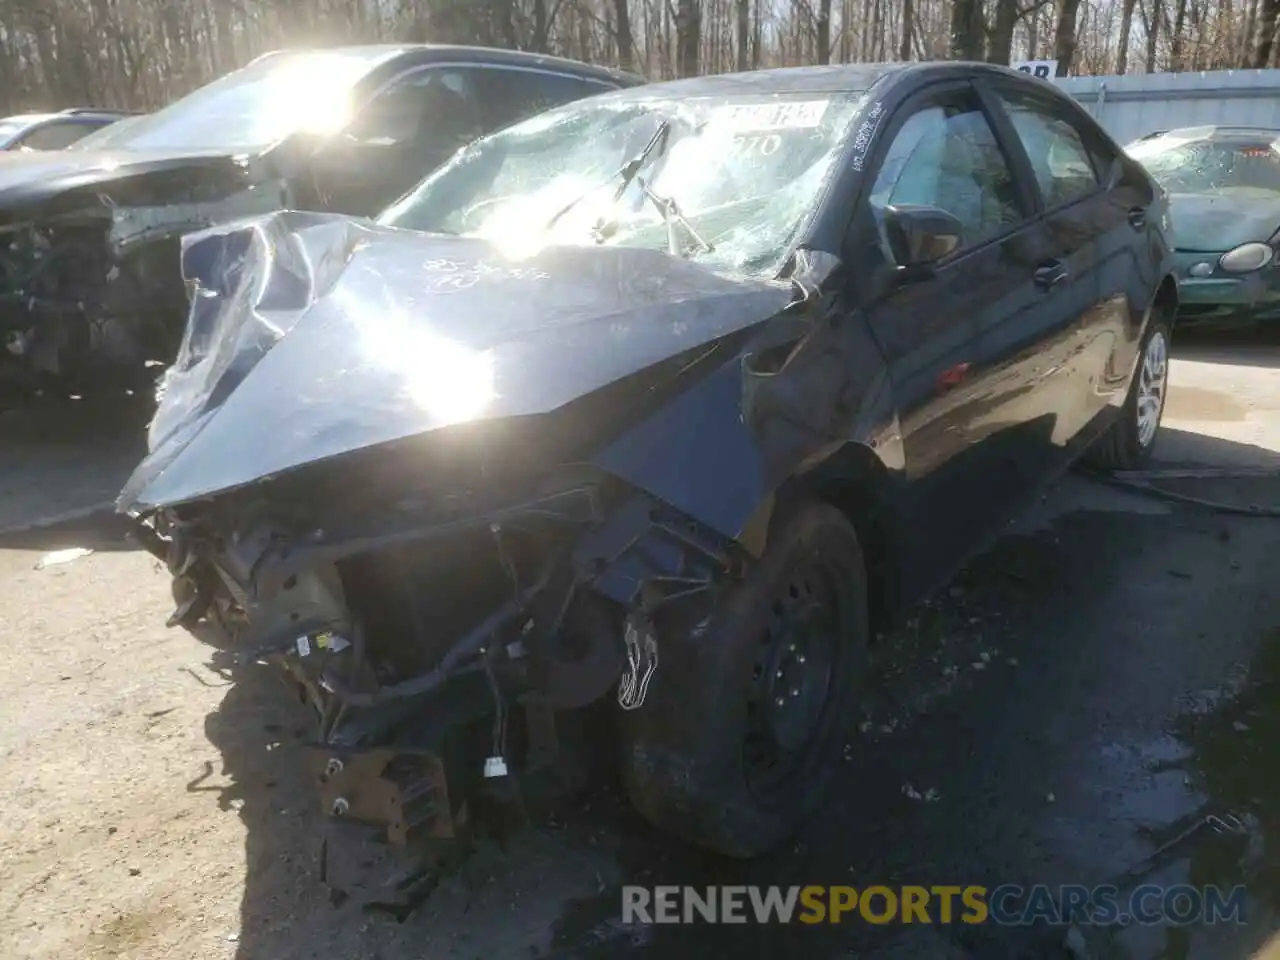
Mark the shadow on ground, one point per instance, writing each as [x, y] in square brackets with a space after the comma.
[1023, 728]
[1250, 347]
[60, 464]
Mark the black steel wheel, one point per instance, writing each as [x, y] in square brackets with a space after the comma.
[744, 722]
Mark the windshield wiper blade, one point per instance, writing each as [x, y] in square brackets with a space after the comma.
[672, 217]
[626, 174]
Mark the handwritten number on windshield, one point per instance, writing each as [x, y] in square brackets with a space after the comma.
[764, 146]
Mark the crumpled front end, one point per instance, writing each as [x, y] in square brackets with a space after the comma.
[91, 299]
[448, 584]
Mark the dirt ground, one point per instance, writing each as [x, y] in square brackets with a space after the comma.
[155, 805]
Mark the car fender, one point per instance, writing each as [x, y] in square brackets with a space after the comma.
[805, 405]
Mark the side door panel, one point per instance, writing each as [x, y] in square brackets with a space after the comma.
[968, 437]
[1093, 239]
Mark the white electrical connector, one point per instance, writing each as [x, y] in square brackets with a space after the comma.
[494, 767]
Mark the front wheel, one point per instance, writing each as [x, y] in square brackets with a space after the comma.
[749, 711]
[1128, 443]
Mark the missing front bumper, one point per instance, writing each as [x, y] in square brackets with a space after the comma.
[390, 833]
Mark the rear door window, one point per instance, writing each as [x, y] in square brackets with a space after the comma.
[510, 95]
[436, 103]
[56, 136]
[1060, 158]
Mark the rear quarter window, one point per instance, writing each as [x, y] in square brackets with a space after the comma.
[1065, 167]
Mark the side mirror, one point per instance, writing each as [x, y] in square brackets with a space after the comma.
[919, 236]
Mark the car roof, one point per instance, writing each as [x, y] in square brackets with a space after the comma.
[1206, 133]
[833, 78]
[416, 53]
[74, 113]
[28, 118]
[1218, 132]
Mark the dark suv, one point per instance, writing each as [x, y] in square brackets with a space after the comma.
[90, 288]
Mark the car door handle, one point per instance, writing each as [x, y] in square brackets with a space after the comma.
[1049, 275]
[1137, 218]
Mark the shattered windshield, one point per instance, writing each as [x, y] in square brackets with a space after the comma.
[260, 104]
[1243, 167]
[736, 177]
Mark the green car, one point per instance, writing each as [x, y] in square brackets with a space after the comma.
[1224, 199]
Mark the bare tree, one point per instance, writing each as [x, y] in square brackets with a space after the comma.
[688, 17]
[1126, 26]
[622, 33]
[1064, 39]
[967, 29]
[143, 53]
[1262, 51]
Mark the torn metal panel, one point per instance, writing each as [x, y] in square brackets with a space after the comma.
[132, 225]
[314, 336]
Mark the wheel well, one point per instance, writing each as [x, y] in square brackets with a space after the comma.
[856, 483]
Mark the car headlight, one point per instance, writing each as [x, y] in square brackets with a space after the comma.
[1246, 258]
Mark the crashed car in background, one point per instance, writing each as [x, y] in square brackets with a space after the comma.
[672, 396]
[55, 131]
[90, 289]
[1224, 199]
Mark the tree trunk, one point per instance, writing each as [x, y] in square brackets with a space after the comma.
[1152, 23]
[1175, 47]
[908, 14]
[967, 30]
[756, 33]
[622, 34]
[742, 34]
[541, 27]
[1266, 33]
[823, 40]
[1126, 24]
[1247, 40]
[1000, 40]
[688, 37]
[1064, 38]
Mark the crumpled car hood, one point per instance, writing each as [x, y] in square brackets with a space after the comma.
[1216, 223]
[312, 335]
[40, 173]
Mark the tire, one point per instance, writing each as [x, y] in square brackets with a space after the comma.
[725, 754]
[1127, 445]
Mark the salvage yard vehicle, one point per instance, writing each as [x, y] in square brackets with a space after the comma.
[54, 131]
[674, 396]
[1224, 199]
[91, 297]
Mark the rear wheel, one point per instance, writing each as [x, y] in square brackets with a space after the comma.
[744, 721]
[1128, 443]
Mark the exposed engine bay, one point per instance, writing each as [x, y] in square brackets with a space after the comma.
[437, 652]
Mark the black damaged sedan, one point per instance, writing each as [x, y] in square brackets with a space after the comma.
[661, 402]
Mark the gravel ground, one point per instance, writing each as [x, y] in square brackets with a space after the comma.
[1099, 674]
